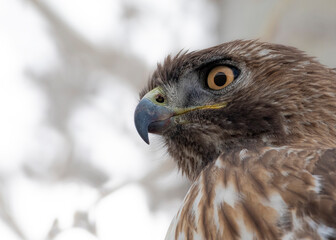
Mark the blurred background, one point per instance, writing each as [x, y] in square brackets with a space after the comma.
[71, 163]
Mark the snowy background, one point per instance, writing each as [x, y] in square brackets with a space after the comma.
[71, 163]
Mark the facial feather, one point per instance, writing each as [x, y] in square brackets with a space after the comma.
[281, 97]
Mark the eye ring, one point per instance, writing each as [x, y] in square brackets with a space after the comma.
[220, 77]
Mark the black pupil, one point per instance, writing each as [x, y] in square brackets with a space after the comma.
[220, 79]
[159, 99]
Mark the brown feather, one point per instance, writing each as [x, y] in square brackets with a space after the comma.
[263, 167]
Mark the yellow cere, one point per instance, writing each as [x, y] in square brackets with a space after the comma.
[214, 106]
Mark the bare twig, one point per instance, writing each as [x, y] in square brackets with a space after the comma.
[274, 18]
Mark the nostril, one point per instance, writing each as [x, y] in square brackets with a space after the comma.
[159, 99]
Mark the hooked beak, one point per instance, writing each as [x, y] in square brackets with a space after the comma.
[152, 108]
[153, 114]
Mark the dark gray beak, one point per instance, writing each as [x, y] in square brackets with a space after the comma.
[150, 117]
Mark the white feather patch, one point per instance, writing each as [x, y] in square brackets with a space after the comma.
[277, 203]
[225, 194]
[318, 183]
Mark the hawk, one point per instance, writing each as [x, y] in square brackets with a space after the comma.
[253, 126]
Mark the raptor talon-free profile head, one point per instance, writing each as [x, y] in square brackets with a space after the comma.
[239, 94]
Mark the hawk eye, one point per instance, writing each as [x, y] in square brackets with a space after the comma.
[219, 77]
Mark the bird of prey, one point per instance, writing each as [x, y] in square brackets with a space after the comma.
[253, 126]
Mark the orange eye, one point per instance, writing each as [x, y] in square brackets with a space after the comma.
[220, 77]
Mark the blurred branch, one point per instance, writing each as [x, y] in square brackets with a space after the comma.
[274, 18]
[111, 60]
[70, 84]
[150, 182]
[7, 216]
[220, 9]
[159, 193]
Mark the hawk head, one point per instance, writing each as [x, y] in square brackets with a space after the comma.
[241, 94]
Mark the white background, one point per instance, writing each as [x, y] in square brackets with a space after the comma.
[71, 163]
